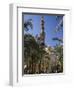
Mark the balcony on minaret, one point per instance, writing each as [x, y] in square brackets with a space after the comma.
[42, 33]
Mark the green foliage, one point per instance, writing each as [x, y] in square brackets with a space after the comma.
[59, 53]
[28, 24]
[57, 39]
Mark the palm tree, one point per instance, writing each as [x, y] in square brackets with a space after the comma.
[59, 52]
[32, 51]
[59, 47]
[27, 24]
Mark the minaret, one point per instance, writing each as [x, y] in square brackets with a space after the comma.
[42, 34]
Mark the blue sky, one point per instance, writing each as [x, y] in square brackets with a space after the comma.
[50, 24]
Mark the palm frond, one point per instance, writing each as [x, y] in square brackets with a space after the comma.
[28, 24]
[57, 39]
[60, 24]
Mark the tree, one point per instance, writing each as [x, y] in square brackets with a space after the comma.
[58, 49]
[33, 52]
[59, 52]
[27, 59]
[31, 49]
